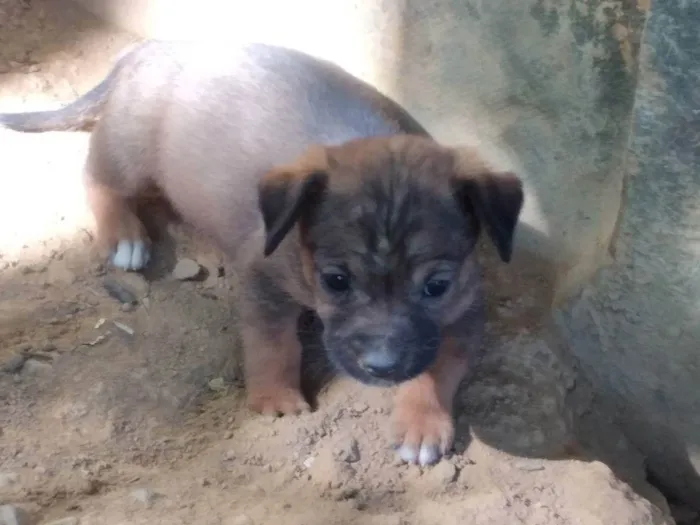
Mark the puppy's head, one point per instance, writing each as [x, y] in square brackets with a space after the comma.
[387, 228]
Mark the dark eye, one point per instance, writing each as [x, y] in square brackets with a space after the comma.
[435, 287]
[337, 282]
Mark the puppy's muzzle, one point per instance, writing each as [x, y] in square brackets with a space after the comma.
[383, 353]
[377, 360]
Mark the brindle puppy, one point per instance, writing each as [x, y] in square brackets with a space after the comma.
[324, 194]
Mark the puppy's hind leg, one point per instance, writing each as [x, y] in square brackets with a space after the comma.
[121, 234]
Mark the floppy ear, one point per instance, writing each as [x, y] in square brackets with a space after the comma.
[285, 194]
[495, 198]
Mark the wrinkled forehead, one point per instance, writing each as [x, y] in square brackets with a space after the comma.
[384, 223]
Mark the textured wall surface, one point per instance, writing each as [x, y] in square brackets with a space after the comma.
[637, 327]
[546, 87]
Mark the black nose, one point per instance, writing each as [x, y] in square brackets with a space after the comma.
[379, 364]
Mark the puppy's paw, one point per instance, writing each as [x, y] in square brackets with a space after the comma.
[131, 255]
[278, 401]
[423, 431]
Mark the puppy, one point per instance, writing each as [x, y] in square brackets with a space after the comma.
[325, 194]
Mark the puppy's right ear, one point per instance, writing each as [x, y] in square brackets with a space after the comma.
[285, 194]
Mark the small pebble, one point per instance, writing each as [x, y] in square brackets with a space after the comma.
[144, 496]
[229, 455]
[228, 435]
[127, 307]
[186, 269]
[217, 384]
[124, 328]
[36, 367]
[11, 515]
[99, 339]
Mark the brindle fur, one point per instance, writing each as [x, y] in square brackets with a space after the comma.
[293, 166]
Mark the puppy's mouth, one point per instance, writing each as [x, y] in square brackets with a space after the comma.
[379, 369]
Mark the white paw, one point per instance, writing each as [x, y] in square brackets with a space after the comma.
[423, 431]
[423, 455]
[131, 255]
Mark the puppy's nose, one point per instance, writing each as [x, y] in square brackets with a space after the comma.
[379, 363]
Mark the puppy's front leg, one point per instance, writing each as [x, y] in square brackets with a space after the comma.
[423, 419]
[272, 358]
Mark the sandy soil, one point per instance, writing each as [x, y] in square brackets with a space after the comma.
[131, 414]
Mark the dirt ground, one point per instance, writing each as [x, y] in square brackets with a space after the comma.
[115, 413]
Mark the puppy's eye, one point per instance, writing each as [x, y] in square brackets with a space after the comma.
[435, 287]
[337, 282]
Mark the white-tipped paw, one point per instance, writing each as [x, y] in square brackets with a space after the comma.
[131, 255]
[423, 455]
[423, 433]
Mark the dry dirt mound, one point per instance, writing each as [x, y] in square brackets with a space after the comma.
[115, 413]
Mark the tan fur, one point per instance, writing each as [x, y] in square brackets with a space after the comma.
[325, 195]
[114, 216]
[423, 407]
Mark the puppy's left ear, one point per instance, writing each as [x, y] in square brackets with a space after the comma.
[287, 193]
[495, 198]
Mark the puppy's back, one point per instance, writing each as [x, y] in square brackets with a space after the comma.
[205, 122]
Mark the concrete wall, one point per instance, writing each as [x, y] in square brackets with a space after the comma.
[546, 87]
[636, 327]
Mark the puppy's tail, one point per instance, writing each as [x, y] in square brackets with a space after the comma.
[79, 115]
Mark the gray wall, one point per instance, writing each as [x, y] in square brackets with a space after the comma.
[636, 327]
